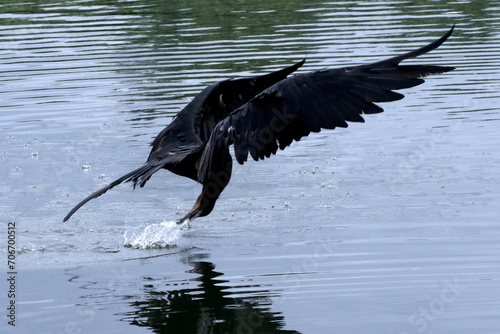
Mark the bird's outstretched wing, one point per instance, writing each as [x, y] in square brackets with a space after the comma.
[227, 95]
[304, 103]
[195, 122]
[132, 176]
[177, 147]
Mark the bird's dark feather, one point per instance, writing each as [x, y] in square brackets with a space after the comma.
[309, 102]
[262, 114]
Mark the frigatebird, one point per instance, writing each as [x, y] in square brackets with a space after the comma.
[258, 115]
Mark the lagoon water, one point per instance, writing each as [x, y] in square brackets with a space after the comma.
[391, 226]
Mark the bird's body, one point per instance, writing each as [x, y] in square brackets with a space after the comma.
[261, 114]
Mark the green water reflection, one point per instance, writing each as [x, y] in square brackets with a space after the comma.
[92, 81]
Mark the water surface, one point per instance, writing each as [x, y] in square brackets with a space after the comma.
[385, 227]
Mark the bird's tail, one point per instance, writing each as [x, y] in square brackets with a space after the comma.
[137, 176]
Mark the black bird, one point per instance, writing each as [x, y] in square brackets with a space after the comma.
[261, 114]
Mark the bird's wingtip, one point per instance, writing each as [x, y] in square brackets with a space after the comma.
[448, 34]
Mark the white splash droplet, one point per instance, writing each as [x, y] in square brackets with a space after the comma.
[162, 235]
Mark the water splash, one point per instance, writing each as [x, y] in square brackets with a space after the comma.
[162, 235]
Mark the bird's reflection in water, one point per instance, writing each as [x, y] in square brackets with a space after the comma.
[207, 308]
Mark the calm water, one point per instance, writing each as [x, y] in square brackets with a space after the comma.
[385, 227]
